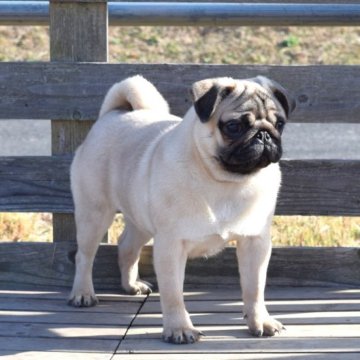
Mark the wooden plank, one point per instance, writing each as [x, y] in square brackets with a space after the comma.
[71, 317]
[28, 329]
[286, 264]
[308, 318]
[227, 356]
[324, 94]
[320, 335]
[62, 295]
[108, 299]
[217, 332]
[245, 345]
[272, 305]
[78, 32]
[32, 265]
[37, 355]
[104, 307]
[198, 293]
[225, 293]
[20, 344]
[310, 187]
[346, 262]
[35, 168]
[55, 355]
[319, 187]
[124, 306]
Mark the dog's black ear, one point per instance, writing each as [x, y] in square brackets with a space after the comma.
[205, 105]
[281, 94]
[206, 95]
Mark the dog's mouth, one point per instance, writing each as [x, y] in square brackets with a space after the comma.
[249, 158]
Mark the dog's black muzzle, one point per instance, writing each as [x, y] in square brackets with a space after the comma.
[257, 153]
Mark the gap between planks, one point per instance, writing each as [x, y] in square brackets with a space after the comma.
[316, 329]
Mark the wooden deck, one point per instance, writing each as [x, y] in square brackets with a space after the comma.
[322, 323]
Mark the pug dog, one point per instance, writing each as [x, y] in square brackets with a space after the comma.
[191, 184]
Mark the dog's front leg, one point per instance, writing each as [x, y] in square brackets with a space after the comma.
[170, 261]
[253, 255]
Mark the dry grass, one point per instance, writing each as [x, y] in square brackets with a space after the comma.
[316, 231]
[225, 45]
[235, 45]
[17, 227]
[24, 43]
[287, 230]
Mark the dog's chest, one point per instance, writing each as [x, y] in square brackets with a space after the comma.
[231, 217]
[205, 246]
[222, 217]
[222, 223]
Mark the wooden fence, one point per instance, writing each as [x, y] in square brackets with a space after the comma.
[69, 90]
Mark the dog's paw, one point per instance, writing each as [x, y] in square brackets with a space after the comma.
[83, 300]
[181, 335]
[138, 288]
[268, 327]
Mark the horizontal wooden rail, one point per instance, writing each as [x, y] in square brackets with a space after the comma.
[324, 94]
[310, 187]
[39, 265]
[197, 14]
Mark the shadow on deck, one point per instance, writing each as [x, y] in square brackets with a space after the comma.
[321, 322]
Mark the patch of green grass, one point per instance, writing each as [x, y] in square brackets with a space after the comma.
[290, 42]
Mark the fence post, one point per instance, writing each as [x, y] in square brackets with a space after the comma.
[78, 32]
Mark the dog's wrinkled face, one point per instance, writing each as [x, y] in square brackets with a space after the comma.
[246, 118]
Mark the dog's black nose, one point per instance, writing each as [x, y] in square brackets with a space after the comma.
[263, 136]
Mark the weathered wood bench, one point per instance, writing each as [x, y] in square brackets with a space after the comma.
[69, 90]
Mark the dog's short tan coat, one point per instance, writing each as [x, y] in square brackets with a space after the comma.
[163, 174]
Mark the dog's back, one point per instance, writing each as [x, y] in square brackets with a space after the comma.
[133, 116]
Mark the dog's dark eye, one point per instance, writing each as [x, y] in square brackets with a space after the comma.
[232, 128]
[280, 124]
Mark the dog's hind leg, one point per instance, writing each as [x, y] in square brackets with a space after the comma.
[92, 223]
[130, 244]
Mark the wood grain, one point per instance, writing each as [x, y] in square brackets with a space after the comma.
[39, 265]
[290, 266]
[65, 355]
[245, 345]
[235, 356]
[235, 331]
[324, 94]
[78, 32]
[310, 187]
[274, 306]
[27, 331]
[319, 187]
[35, 184]
[21, 344]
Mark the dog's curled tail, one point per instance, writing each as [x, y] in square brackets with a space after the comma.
[133, 93]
